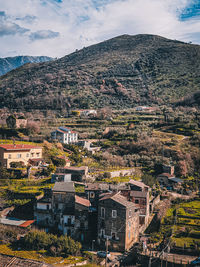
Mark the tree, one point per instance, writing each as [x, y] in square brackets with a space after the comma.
[148, 180]
[33, 127]
[56, 246]
[4, 174]
[50, 169]
[58, 162]
[11, 121]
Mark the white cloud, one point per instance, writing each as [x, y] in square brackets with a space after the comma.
[43, 34]
[62, 27]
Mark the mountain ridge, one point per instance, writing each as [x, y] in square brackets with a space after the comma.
[121, 72]
[9, 63]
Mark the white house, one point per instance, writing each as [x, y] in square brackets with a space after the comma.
[64, 135]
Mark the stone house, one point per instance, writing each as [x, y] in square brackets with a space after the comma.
[61, 209]
[93, 192]
[138, 193]
[19, 153]
[82, 213]
[163, 179]
[77, 173]
[60, 177]
[16, 122]
[168, 169]
[43, 211]
[64, 135]
[169, 181]
[118, 221]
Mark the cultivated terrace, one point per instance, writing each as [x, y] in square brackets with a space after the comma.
[83, 180]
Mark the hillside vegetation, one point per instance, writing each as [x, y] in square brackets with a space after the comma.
[121, 72]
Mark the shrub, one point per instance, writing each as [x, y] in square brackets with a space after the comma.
[16, 164]
[56, 246]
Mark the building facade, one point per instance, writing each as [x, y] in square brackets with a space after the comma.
[118, 222]
[77, 173]
[138, 193]
[61, 209]
[18, 153]
[64, 135]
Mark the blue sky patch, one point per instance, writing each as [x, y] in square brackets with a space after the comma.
[192, 11]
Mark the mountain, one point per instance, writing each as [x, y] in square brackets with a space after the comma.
[9, 63]
[120, 73]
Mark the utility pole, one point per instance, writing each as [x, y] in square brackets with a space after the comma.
[149, 258]
[106, 251]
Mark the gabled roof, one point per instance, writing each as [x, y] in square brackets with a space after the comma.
[137, 183]
[64, 187]
[117, 197]
[97, 187]
[17, 146]
[60, 131]
[176, 180]
[82, 201]
[168, 175]
[139, 194]
[36, 160]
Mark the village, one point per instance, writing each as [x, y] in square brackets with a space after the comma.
[55, 187]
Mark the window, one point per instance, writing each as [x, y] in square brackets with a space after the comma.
[9, 156]
[32, 154]
[129, 224]
[136, 201]
[102, 224]
[130, 213]
[129, 234]
[27, 155]
[102, 232]
[92, 195]
[38, 154]
[113, 235]
[102, 212]
[19, 156]
[113, 225]
[114, 213]
[69, 221]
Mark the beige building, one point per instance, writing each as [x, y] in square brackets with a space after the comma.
[18, 153]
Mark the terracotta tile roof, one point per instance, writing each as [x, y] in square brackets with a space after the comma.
[137, 183]
[120, 199]
[27, 223]
[82, 201]
[58, 130]
[93, 187]
[97, 187]
[166, 174]
[17, 147]
[139, 194]
[36, 160]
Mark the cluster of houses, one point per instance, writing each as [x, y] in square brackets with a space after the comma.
[103, 211]
[114, 212]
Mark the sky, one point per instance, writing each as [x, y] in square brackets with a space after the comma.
[58, 27]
